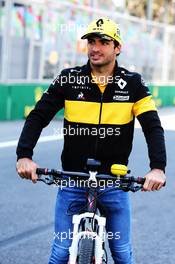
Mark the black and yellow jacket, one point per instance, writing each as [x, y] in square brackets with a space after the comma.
[96, 125]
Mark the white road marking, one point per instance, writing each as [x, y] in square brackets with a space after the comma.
[13, 143]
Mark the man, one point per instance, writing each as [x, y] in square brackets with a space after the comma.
[101, 99]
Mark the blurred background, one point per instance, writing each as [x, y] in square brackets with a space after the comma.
[38, 38]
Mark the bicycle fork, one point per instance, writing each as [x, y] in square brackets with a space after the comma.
[97, 236]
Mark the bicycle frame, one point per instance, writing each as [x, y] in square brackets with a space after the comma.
[89, 217]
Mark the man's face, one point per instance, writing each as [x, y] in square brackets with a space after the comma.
[101, 52]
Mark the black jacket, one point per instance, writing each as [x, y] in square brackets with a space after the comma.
[96, 125]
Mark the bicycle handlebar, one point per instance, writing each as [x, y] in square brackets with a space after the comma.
[126, 183]
[59, 173]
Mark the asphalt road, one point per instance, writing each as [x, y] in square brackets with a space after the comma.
[27, 210]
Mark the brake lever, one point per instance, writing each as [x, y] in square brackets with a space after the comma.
[131, 187]
[135, 188]
[47, 180]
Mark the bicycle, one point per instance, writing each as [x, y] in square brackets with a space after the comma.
[88, 243]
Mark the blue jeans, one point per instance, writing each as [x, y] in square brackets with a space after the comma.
[118, 227]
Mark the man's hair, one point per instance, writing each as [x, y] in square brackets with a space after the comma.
[116, 44]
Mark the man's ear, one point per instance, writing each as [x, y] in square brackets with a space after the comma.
[118, 49]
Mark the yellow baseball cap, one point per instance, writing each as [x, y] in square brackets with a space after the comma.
[104, 28]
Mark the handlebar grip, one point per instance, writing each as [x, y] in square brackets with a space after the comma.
[42, 171]
[142, 181]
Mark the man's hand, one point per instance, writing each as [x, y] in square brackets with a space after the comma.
[26, 168]
[154, 180]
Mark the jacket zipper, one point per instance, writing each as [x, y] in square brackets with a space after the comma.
[99, 122]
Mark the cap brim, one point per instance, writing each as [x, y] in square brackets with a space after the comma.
[96, 34]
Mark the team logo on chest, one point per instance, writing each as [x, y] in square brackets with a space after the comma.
[121, 98]
[80, 96]
[121, 83]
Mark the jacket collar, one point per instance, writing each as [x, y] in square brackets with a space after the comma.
[87, 68]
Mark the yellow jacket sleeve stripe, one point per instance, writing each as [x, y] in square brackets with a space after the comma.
[144, 105]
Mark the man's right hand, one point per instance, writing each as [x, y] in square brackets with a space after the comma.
[26, 168]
